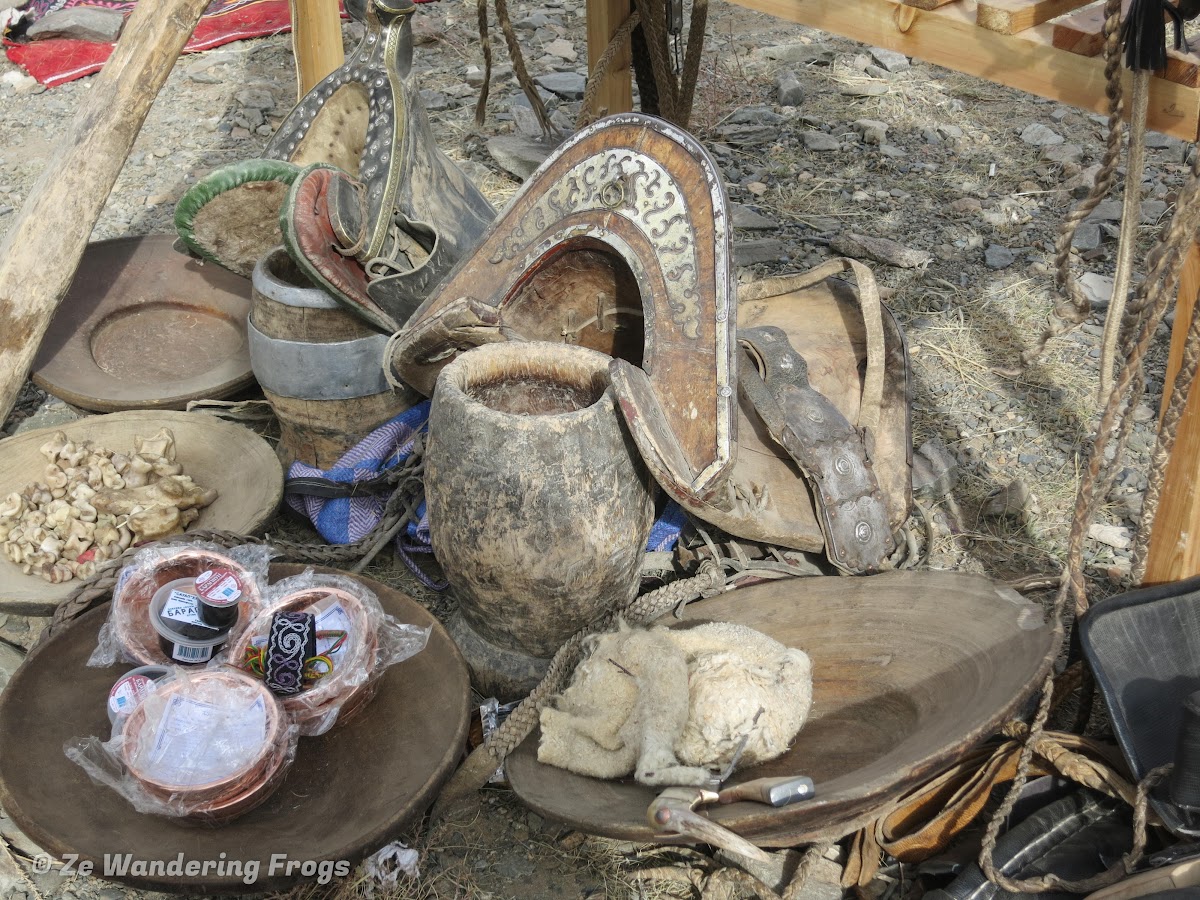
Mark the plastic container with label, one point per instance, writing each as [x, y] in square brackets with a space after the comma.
[183, 637]
[131, 688]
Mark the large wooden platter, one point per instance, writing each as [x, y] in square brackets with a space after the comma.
[216, 454]
[910, 670]
[146, 327]
[349, 791]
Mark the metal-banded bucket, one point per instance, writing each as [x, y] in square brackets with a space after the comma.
[319, 365]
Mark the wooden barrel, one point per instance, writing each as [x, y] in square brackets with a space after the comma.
[319, 365]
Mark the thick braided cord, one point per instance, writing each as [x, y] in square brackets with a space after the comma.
[1074, 307]
[653, 17]
[474, 773]
[691, 63]
[1147, 311]
[518, 61]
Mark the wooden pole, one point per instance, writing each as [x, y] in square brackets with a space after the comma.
[42, 249]
[604, 18]
[1174, 549]
[316, 41]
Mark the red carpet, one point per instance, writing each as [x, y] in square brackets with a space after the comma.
[54, 62]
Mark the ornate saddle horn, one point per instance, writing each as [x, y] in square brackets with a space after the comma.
[620, 242]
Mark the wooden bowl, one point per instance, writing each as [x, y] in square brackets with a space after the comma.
[210, 685]
[235, 461]
[341, 688]
[910, 671]
[346, 795]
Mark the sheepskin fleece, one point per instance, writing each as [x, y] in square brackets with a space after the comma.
[671, 705]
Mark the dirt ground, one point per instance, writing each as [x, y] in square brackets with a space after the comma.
[952, 178]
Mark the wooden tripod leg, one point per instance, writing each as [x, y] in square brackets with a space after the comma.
[42, 249]
[1174, 549]
[316, 41]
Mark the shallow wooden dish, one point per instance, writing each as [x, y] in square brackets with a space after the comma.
[348, 793]
[234, 460]
[910, 670]
[146, 327]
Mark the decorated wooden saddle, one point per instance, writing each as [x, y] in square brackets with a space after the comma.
[783, 421]
[406, 202]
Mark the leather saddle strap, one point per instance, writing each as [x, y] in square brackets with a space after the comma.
[872, 309]
[828, 450]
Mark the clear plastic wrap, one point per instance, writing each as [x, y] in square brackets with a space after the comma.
[206, 746]
[172, 578]
[356, 642]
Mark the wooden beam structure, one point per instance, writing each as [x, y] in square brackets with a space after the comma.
[1011, 16]
[1174, 549]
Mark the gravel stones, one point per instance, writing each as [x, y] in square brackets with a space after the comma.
[879, 249]
[998, 257]
[820, 142]
[568, 85]
[788, 90]
[80, 23]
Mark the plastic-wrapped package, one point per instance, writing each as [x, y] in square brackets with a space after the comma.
[207, 745]
[355, 641]
[181, 603]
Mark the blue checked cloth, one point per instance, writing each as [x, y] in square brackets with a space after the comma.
[343, 520]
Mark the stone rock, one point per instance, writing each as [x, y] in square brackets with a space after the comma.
[864, 89]
[568, 85]
[890, 59]
[1115, 536]
[766, 250]
[51, 414]
[425, 31]
[256, 98]
[533, 22]
[748, 135]
[892, 150]
[1040, 135]
[754, 115]
[966, 206]
[81, 23]
[744, 217]
[433, 101]
[1062, 153]
[10, 659]
[801, 54]
[872, 130]
[1087, 236]
[998, 257]
[934, 472]
[520, 155]
[563, 49]
[1110, 211]
[473, 76]
[788, 89]
[820, 142]
[525, 119]
[1009, 502]
[1097, 288]
[879, 249]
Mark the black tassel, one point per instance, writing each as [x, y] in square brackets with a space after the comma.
[1144, 34]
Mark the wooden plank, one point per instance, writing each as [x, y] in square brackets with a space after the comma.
[1174, 550]
[1011, 16]
[43, 247]
[1082, 33]
[604, 17]
[949, 37]
[316, 41]
[928, 4]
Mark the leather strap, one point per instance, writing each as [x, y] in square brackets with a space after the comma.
[872, 309]
[829, 451]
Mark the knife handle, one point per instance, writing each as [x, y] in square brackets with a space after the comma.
[770, 791]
